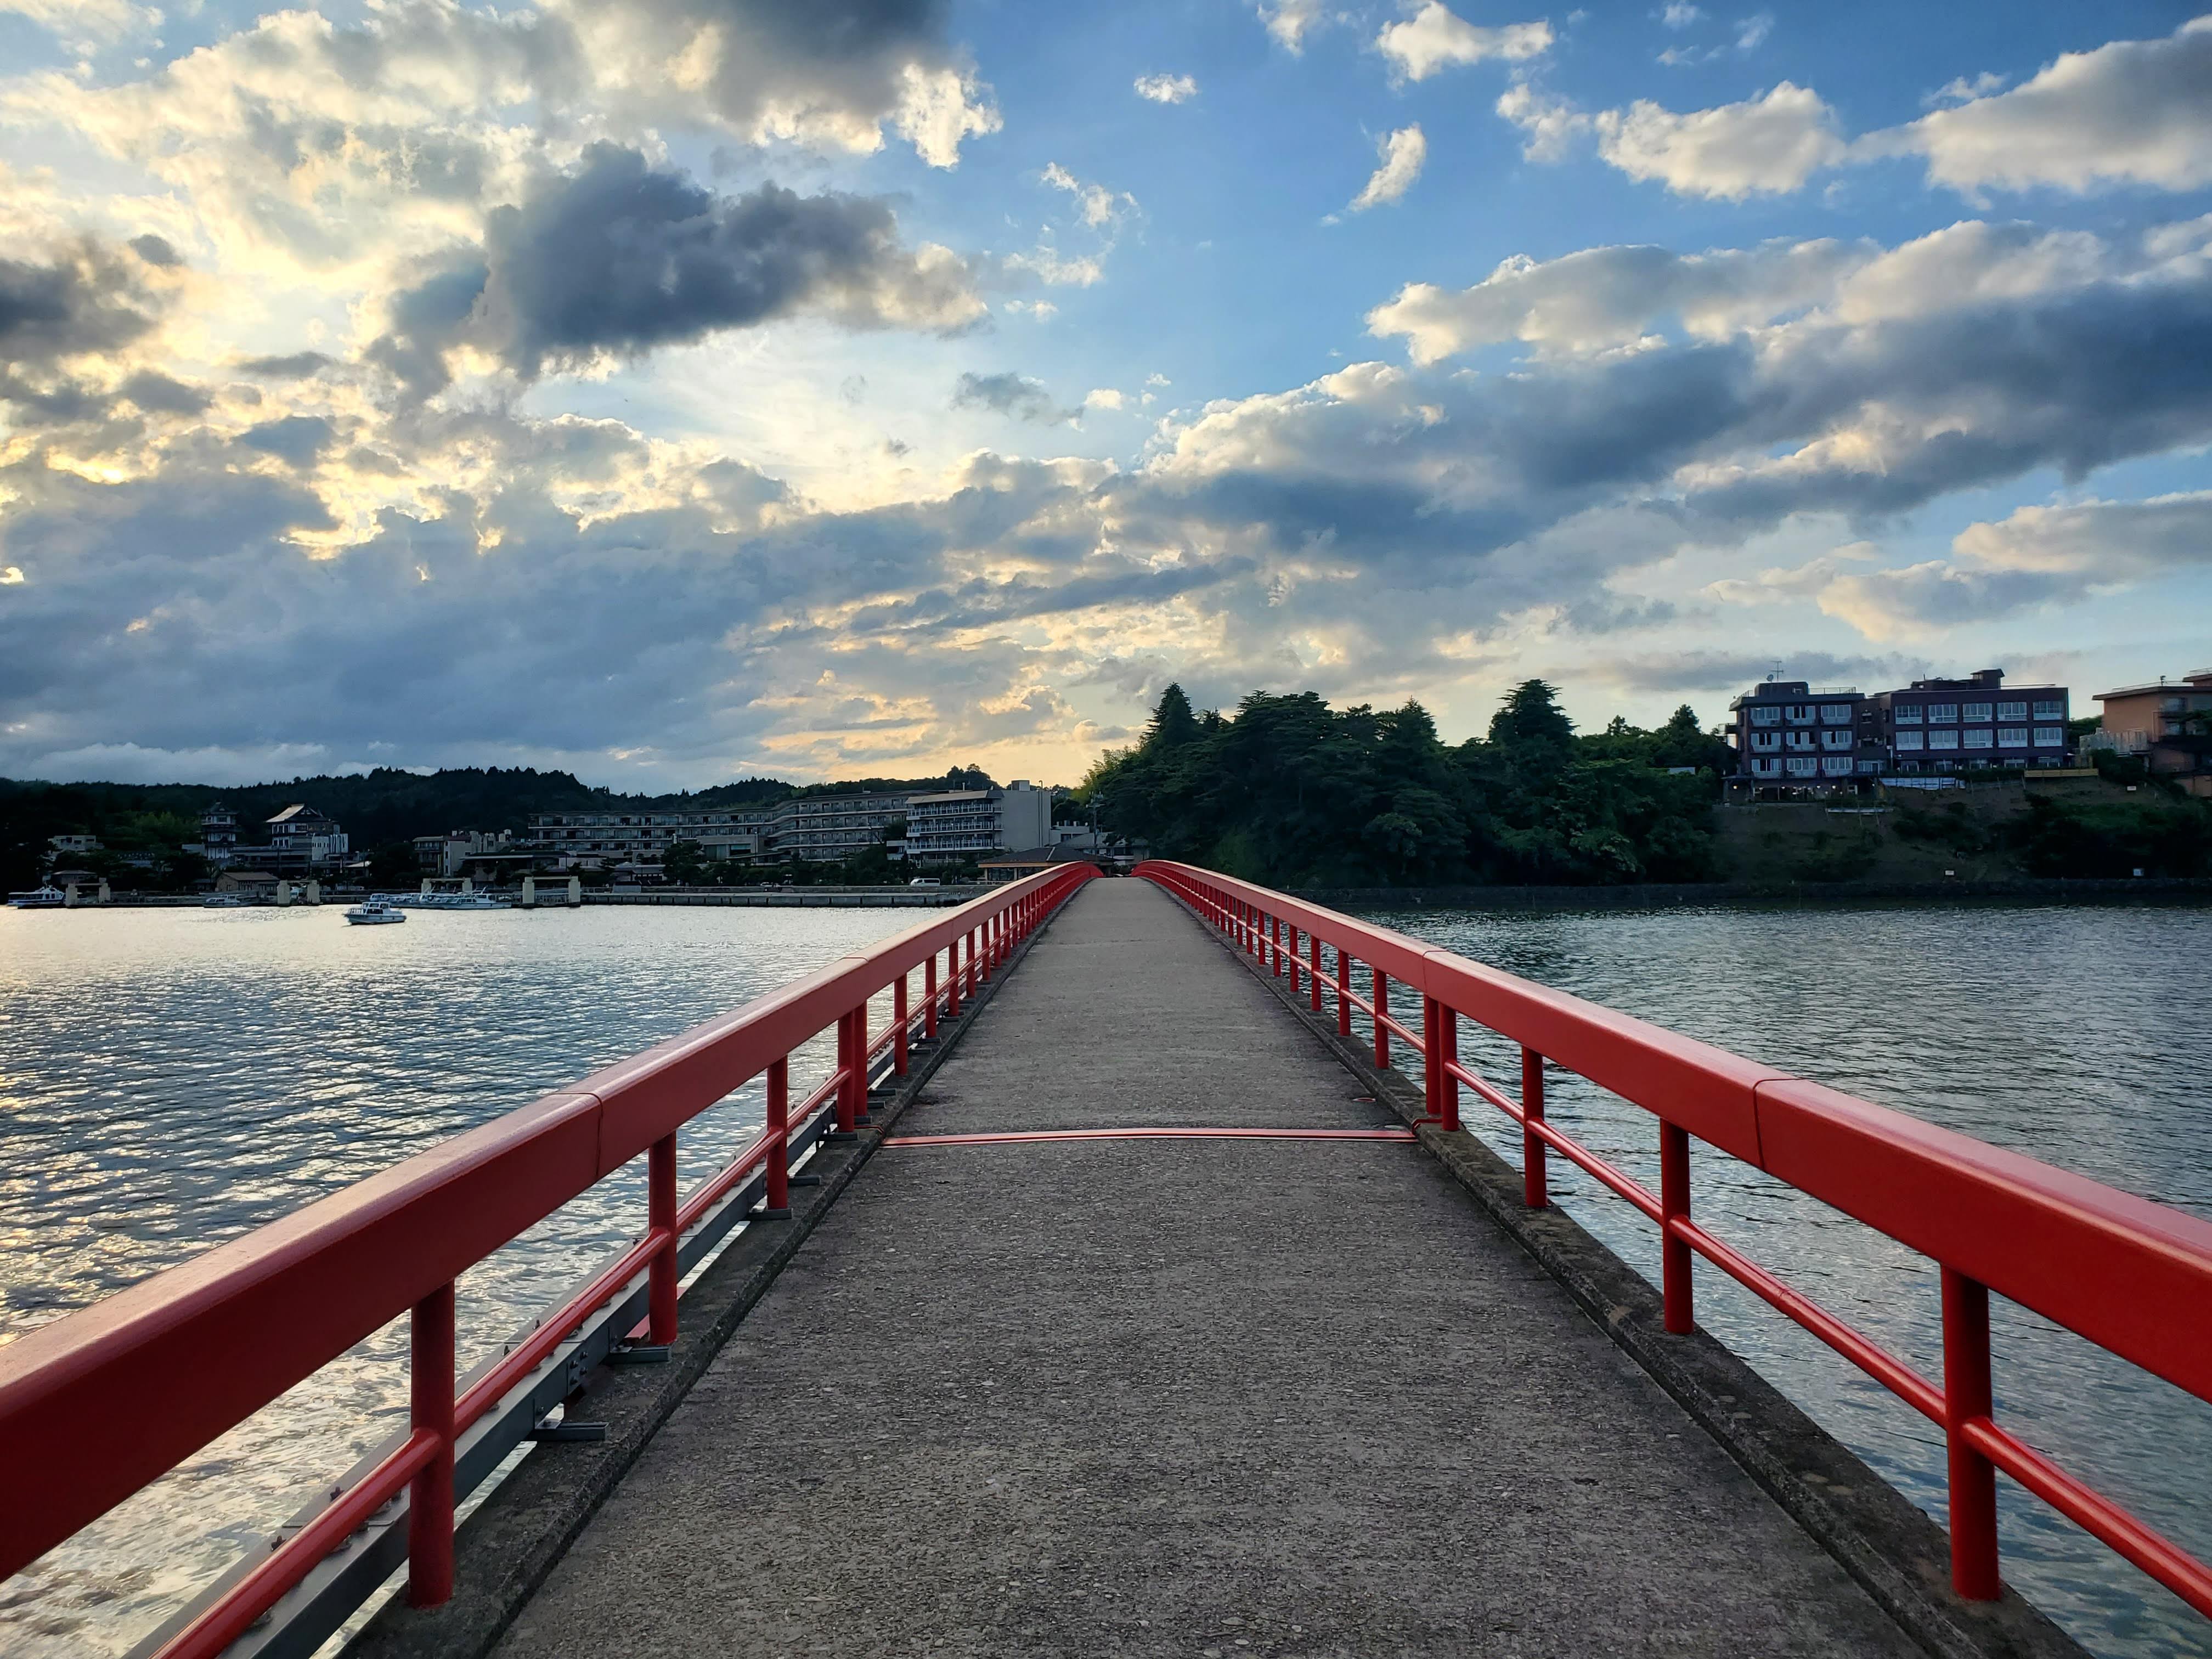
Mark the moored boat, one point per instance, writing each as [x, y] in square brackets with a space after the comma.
[375, 911]
[48, 898]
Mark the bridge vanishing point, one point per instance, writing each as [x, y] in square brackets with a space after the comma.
[1115, 1292]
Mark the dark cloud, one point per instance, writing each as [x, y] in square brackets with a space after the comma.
[1012, 394]
[296, 439]
[87, 299]
[299, 366]
[1734, 670]
[155, 251]
[157, 393]
[620, 257]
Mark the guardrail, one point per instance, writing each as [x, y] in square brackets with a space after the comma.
[2131, 1276]
[98, 1404]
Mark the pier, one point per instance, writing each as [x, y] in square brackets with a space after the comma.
[1129, 1284]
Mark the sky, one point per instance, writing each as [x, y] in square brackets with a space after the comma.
[672, 391]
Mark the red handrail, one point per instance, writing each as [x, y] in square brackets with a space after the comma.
[218, 1337]
[2130, 1275]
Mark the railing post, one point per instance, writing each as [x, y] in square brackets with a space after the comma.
[1533, 1190]
[778, 1126]
[1276, 948]
[661, 1220]
[1674, 1253]
[979, 955]
[1968, 1395]
[1448, 1052]
[1313, 970]
[1382, 1000]
[1343, 994]
[952, 980]
[861, 1063]
[1439, 1088]
[430, 1495]
[929, 998]
[848, 1070]
[899, 1019]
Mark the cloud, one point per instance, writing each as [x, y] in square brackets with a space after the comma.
[1680, 14]
[1289, 22]
[82, 297]
[1552, 126]
[1403, 154]
[296, 439]
[1434, 38]
[2130, 113]
[86, 26]
[1751, 32]
[1166, 89]
[1098, 206]
[619, 257]
[1768, 145]
[1015, 395]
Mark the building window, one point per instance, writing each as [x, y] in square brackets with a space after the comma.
[1766, 768]
[1943, 711]
[1835, 739]
[1907, 713]
[1769, 716]
[1800, 714]
[1764, 740]
[1942, 740]
[1803, 769]
[1975, 711]
[2012, 736]
[1911, 739]
[1979, 738]
[2049, 737]
[1800, 739]
[1836, 714]
[1837, 767]
[2012, 711]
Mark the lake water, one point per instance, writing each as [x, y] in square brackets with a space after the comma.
[171, 1079]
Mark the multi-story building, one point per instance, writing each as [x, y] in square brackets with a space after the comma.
[1949, 726]
[950, 826]
[218, 834]
[300, 839]
[830, 829]
[607, 839]
[2169, 723]
[1790, 735]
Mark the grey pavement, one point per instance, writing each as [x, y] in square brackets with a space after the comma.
[1176, 1397]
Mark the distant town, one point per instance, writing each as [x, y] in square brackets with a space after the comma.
[1396, 805]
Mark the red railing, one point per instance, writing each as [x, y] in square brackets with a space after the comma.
[2131, 1276]
[98, 1404]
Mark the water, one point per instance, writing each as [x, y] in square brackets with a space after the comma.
[171, 1079]
[2072, 1035]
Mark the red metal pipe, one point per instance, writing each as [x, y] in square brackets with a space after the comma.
[851, 1063]
[1968, 1397]
[1534, 1191]
[1380, 1010]
[661, 1224]
[929, 997]
[1313, 969]
[900, 1020]
[1275, 946]
[952, 980]
[1675, 1207]
[779, 1129]
[1448, 1068]
[430, 1493]
[1343, 994]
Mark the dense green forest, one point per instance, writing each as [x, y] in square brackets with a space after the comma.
[1293, 792]
[1290, 792]
[377, 809]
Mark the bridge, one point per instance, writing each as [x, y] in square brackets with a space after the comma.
[1127, 1280]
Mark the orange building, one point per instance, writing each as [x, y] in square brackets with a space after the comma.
[2169, 723]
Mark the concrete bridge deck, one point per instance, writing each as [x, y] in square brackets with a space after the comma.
[1211, 1397]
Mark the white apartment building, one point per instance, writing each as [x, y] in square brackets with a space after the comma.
[949, 826]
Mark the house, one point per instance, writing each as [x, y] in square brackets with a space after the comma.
[2168, 723]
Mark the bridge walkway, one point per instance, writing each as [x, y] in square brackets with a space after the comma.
[1200, 1397]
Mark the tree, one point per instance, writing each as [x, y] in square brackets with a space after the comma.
[1173, 724]
[684, 863]
[393, 865]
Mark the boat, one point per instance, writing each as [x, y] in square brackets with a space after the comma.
[48, 898]
[222, 902]
[373, 912]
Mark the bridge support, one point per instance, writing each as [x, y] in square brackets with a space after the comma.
[1969, 1398]
[430, 1494]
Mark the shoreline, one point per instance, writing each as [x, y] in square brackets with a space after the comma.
[1658, 895]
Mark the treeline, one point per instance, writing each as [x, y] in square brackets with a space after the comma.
[1293, 792]
[379, 809]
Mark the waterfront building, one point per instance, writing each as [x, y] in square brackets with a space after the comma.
[593, 841]
[1950, 725]
[830, 829]
[218, 833]
[74, 846]
[299, 838]
[2168, 724]
[1789, 735]
[952, 826]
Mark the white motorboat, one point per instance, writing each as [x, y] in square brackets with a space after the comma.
[48, 898]
[373, 912]
[222, 902]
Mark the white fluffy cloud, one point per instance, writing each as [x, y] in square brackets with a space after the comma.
[1403, 154]
[1167, 88]
[1767, 145]
[1436, 38]
[1289, 22]
[2133, 111]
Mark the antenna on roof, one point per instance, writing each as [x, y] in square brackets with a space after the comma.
[1775, 672]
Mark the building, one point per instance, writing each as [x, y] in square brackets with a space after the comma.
[617, 840]
[2168, 724]
[74, 846]
[952, 826]
[300, 839]
[1949, 726]
[218, 833]
[1015, 866]
[1789, 735]
[830, 829]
